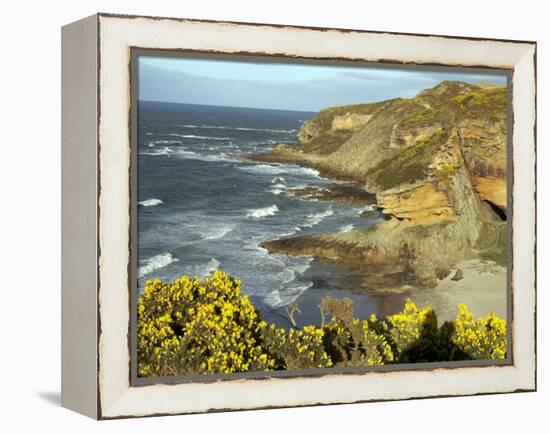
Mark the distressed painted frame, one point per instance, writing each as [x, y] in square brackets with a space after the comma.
[96, 211]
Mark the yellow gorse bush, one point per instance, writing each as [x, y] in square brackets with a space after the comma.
[194, 326]
[484, 338]
[408, 325]
[208, 326]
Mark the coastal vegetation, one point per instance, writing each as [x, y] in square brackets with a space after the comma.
[435, 168]
[194, 326]
[408, 166]
[436, 165]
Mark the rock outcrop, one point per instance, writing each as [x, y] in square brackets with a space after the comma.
[437, 164]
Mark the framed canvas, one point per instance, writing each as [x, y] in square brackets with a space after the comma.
[260, 216]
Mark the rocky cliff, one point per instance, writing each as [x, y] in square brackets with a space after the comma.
[437, 164]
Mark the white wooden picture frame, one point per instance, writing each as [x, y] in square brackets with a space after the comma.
[96, 213]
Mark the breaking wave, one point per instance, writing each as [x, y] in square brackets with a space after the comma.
[277, 188]
[156, 262]
[262, 212]
[166, 142]
[372, 207]
[315, 219]
[270, 169]
[150, 202]
[203, 270]
[193, 136]
[219, 127]
[217, 233]
[166, 151]
[346, 228]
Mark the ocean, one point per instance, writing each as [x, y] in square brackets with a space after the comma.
[202, 206]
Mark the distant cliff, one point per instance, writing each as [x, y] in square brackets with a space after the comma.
[437, 164]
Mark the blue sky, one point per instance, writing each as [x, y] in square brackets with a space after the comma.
[282, 85]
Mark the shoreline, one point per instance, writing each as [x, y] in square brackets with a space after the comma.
[373, 256]
[444, 298]
[437, 174]
[283, 154]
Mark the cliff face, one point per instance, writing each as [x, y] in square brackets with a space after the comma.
[355, 139]
[396, 144]
[437, 163]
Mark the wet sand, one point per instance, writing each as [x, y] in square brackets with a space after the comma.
[483, 290]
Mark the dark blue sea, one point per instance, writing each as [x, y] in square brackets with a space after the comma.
[202, 206]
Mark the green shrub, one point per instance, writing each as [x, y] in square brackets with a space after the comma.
[353, 342]
[410, 165]
[193, 326]
[489, 103]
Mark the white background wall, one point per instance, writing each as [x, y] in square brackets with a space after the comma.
[30, 216]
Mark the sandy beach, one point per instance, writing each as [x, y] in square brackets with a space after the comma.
[482, 289]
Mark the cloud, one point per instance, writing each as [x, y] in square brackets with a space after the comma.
[301, 92]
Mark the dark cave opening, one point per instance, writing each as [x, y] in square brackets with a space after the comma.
[497, 210]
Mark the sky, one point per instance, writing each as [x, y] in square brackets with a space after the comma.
[284, 86]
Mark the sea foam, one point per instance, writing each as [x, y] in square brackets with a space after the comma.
[156, 262]
[193, 136]
[220, 157]
[220, 127]
[150, 202]
[287, 295]
[263, 169]
[262, 212]
[217, 233]
[372, 207]
[279, 169]
[277, 189]
[166, 151]
[315, 219]
[346, 228]
[167, 142]
[203, 270]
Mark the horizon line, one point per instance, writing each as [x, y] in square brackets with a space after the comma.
[230, 106]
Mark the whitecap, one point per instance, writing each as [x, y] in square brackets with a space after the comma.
[287, 295]
[262, 212]
[368, 208]
[190, 155]
[290, 233]
[277, 189]
[307, 171]
[150, 202]
[193, 136]
[221, 127]
[217, 233]
[269, 130]
[168, 142]
[315, 219]
[346, 228]
[203, 270]
[156, 262]
[278, 179]
[157, 152]
[263, 169]
[272, 169]
[189, 126]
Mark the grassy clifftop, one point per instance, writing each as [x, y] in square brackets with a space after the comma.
[356, 138]
[437, 164]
